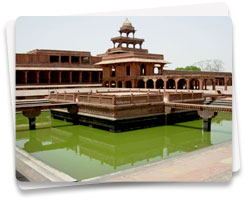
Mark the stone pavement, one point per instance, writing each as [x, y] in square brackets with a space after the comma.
[213, 163]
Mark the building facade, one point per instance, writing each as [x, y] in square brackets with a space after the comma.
[125, 65]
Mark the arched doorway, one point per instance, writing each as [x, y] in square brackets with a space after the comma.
[171, 84]
[159, 84]
[141, 84]
[194, 84]
[150, 83]
[32, 77]
[128, 84]
[112, 84]
[182, 84]
[119, 84]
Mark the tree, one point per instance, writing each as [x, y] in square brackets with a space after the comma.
[211, 65]
[188, 68]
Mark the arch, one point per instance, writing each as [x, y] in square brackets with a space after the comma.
[142, 70]
[159, 84]
[65, 77]
[150, 83]
[44, 76]
[32, 77]
[112, 84]
[171, 84]
[119, 84]
[75, 77]
[54, 77]
[141, 84]
[194, 84]
[20, 77]
[106, 84]
[182, 84]
[128, 84]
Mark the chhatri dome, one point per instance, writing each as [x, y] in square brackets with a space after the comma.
[127, 23]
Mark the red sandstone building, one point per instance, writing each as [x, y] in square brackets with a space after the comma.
[126, 65]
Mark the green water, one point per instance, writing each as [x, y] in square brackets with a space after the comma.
[83, 152]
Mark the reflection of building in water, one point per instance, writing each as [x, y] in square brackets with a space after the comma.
[116, 150]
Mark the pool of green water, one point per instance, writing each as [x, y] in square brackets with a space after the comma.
[83, 152]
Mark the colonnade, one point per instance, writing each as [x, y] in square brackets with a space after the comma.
[168, 83]
[57, 77]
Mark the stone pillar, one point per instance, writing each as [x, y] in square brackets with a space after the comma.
[154, 83]
[205, 83]
[176, 83]
[123, 84]
[145, 81]
[60, 77]
[69, 59]
[188, 83]
[165, 83]
[201, 84]
[31, 114]
[26, 77]
[38, 77]
[225, 80]
[49, 77]
[207, 117]
[60, 59]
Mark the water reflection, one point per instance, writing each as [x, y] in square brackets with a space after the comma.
[84, 152]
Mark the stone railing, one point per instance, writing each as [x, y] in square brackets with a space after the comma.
[174, 97]
[108, 99]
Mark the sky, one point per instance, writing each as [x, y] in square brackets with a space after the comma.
[182, 40]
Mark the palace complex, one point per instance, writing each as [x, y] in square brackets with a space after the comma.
[125, 65]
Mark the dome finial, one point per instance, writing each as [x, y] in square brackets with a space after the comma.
[127, 23]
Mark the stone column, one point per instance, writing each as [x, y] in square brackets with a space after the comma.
[207, 117]
[165, 83]
[154, 83]
[188, 83]
[49, 77]
[60, 59]
[123, 84]
[225, 80]
[176, 83]
[69, 59]
[145, 81]
[31, 115]
[201, 84]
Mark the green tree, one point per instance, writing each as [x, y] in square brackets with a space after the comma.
[188, 68]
